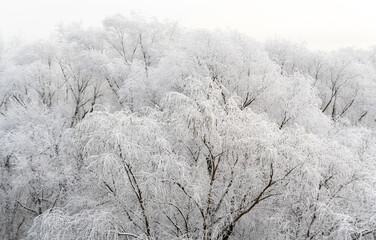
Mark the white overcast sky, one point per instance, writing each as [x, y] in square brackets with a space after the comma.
[321, 24]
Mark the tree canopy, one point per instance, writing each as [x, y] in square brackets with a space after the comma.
[144, 130]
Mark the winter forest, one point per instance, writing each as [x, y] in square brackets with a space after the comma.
[141, 129]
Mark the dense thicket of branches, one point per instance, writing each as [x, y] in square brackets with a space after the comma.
[141, 129]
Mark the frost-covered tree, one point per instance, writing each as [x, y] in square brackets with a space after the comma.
[32, 175]
[141, 129]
